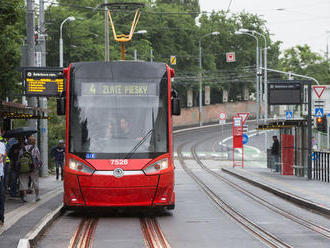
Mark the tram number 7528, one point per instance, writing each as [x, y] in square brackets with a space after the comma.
[119, 162]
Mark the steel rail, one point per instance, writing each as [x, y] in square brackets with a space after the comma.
[256, 230]
[306, 223]
[84, 235]
[153, 236]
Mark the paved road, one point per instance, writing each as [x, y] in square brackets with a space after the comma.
[197, 221]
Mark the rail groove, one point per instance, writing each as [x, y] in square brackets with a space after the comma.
[152, 233]
[259, 232]
[308, 224]
[84, 235]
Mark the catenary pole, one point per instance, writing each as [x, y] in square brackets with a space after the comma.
[43, 123]
[32, 101]
[106, 33]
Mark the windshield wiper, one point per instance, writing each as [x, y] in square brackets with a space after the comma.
[128, 155]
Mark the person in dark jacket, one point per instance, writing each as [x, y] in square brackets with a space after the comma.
[58, 153]
[276, 153]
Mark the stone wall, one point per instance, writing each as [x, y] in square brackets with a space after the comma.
[189, 116]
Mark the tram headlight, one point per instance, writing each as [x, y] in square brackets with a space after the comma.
[156, 167]
[80, 167]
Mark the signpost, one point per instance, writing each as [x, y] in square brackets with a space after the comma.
[289, 115]
[43, 81]
[173, 60]
[244, 116]
[230, 57]
[237, 139]
[245, 138]
[319, 90]
[319, 112]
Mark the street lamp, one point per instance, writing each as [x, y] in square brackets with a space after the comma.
[245, 31]
[265, 74]
[200, 76]
[138, 32]
[327, 48]
[71, 19]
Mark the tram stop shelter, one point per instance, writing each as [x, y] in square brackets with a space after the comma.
[293, 145]
[11, 110]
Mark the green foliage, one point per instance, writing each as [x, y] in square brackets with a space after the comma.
[11, 13]
[56, 125]
[301, 60]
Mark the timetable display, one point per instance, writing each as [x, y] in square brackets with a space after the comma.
[40, 81]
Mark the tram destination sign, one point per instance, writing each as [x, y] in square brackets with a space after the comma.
[43, 81]
[285, 92]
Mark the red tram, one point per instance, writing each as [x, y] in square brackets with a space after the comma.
[119, 134]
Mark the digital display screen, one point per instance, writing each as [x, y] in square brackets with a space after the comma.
[286, 92]
[118, 89]
[43, 82]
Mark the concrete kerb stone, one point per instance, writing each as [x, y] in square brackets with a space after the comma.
[34, 235]
[285, 195]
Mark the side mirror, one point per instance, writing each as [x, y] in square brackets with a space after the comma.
[61, 106]
[176, 108]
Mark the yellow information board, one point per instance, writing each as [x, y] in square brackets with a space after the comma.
[40, 81]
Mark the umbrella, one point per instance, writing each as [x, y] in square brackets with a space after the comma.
[21, 131]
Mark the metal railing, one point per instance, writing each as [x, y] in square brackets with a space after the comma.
[321, 166]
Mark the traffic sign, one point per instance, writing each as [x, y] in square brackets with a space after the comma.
[245, 128]
[319, 90]
[222, 122]
[319, 112]
[173, 60]
[318, 103]
[222, 116]
[244, 116]
[230, 57]
[245, 138]
[238, 122]
[289, 115]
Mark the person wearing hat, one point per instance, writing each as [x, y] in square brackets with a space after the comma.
[58, 153]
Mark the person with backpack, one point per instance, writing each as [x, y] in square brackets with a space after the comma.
[37, 163]
[26, 166]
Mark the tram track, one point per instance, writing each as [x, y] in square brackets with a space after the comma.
[151, 231]
[259, 232]
[308, 224]
[84, 235]
[153, 236]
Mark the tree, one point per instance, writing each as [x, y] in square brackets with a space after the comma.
[301, 60]
[11, 14]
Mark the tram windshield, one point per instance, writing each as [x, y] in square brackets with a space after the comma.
[118, 117]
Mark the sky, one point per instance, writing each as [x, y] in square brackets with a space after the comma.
[294, 22]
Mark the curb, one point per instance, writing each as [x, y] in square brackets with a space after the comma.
[34, 235]
[285, 195]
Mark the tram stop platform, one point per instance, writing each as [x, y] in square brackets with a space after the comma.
[23, 218]
[312, 194]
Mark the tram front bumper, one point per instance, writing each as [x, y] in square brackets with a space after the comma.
[104, 190]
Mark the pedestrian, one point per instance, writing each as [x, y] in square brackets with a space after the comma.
[24, 165]
[2, 190]
[58, 153]
[276, 153]
[37, 163]
[13, 146]
[6, 161]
